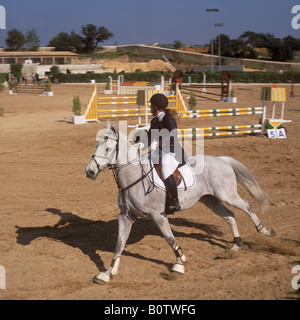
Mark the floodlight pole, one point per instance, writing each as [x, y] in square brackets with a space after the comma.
[212, 40]
[219, 25]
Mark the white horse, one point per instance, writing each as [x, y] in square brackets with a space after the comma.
[139, 198]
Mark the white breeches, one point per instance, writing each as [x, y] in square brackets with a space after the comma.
[169, 164]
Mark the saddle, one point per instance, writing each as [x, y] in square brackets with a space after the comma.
[177, 175]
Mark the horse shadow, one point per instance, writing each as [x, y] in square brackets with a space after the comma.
[208, 232]
[91, 236]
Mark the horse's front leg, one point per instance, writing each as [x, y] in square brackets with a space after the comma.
[162, 222]
[125, 225]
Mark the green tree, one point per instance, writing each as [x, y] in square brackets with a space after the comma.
[226, 45]
[292, 42]
[75, 44]
[16, 70]
[256, 40]
[238, 47]
[60, 42]
[32, 40]
[66, 42]
[93, 36]
[177, 44]
[280, 51]
[15, 40]
[235, 48]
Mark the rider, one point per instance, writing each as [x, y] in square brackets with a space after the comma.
[171, 154]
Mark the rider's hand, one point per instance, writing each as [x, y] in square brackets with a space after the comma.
[154, 146]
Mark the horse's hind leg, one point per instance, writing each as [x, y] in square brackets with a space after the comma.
[163, 224]
[125, 225]
[217, 207]
[246, 207]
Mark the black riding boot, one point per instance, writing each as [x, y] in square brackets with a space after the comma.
[172, 202]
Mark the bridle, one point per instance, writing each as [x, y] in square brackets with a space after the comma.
[109, 159]
[116, 169]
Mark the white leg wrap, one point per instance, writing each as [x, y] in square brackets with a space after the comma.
[115, 266]
[180, 254]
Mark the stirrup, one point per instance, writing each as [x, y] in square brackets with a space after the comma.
[172, 208]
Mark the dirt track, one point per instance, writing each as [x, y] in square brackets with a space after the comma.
[58, 229]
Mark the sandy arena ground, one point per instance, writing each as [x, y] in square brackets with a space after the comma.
[58, 228]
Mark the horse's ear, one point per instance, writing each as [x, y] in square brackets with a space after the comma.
[107, 126]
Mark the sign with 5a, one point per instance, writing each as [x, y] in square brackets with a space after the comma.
[276, 133]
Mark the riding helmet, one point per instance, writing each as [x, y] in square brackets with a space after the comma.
[159, 100]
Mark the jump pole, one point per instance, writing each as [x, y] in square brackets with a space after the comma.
[220, 114]
[215, 134]
[252, 126]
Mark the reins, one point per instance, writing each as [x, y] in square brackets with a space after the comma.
[116, 170]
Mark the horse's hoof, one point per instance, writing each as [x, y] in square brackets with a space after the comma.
[235, 248]
[102, 278]
[269, 232]
[179, 268]
[272, 232]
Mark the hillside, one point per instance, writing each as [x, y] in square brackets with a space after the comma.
[126, 63]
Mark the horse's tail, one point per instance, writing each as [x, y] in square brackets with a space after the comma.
[245, 178]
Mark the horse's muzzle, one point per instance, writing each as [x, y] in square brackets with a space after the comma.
[91, 174]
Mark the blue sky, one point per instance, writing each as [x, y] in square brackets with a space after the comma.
[140, 21]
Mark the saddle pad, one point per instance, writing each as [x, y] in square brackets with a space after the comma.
[187, 173]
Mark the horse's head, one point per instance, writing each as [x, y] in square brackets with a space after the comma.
[106, 152]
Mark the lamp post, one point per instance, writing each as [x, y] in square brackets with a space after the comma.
[219, 25]
[212, 39]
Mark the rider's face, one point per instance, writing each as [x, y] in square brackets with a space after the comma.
[153, 109]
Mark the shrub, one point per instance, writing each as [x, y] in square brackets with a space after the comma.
[107, 86]
[48, 86]
[76, 106]
[3, 77]
[54, 69]
[154, 76]
[192, 101]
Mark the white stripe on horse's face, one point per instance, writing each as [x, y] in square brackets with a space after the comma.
[104, 155]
